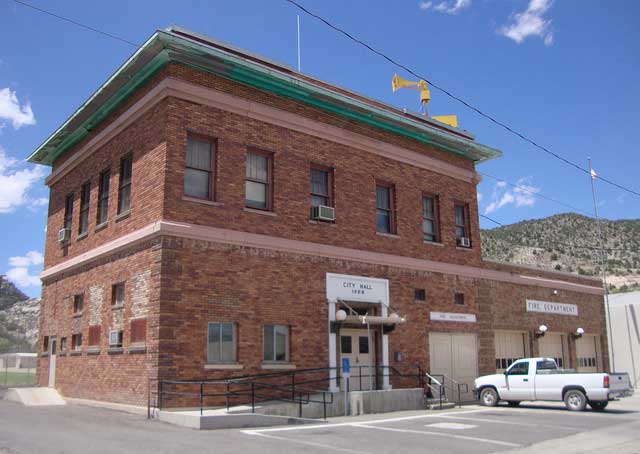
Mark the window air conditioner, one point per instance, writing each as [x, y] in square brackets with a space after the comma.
[323, 213]
[64, 235]
[114, 338]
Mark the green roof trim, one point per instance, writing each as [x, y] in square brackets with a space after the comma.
[223, 60]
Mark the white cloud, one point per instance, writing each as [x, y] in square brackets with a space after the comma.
[445, 6]
[11, 110]
[530, 22]
[20, 272]
[30, 258]
[15, 184]
[522, 195]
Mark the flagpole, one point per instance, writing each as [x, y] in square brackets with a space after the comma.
[603, 257]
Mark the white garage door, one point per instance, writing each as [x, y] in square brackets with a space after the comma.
[510, 346]
[552, 345]
[587, 354]
[456, 356]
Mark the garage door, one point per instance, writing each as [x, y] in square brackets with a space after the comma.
[587, 354]
[456, 356]
[552, 345]
[510, 346]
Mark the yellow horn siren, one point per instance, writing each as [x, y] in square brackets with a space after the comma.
[398, 82]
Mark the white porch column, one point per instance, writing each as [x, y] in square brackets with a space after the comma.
[333, 383]
[385, 350]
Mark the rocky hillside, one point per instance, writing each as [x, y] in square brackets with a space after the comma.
[18, 319]
[569, 242]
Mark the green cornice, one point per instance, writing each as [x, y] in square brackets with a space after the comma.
[166, 46]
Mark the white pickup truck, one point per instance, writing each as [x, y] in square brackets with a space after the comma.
[541, 379]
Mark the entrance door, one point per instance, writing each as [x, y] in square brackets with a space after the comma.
[52, 361]
[586, 353]
[456, 356]
[356, 345]
[551, 345]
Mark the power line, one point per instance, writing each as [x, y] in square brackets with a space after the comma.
[79, 24]
[458, 99]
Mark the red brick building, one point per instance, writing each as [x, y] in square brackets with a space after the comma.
[185, 238]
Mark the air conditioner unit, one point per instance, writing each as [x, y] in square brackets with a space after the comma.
[64, 235]
[323, 213]
[464, 242]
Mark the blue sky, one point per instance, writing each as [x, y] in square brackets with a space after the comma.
[565, 72]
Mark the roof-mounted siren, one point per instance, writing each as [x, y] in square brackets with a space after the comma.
[425, 96]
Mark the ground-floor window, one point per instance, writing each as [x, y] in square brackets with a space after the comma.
[221, 343]
[276, 343]
[76, 341]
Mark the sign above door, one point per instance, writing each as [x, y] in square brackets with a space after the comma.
[357, 288]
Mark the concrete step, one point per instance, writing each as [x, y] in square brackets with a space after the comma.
[434, 404]
[34, 397]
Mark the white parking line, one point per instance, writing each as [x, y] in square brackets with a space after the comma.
[307, 443]
[442, 434]
[512, 423]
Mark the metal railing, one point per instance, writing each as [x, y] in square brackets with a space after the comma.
[299, 386]
[447, 387]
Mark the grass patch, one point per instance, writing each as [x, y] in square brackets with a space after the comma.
[17, 378]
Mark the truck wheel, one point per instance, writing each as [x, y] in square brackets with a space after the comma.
[575, 400]
[489, 397]
[598, 405]
[514, 403]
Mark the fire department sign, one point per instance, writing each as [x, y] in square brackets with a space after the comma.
[552, 308]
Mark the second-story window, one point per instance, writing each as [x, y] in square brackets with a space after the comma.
[103, 197]
[124, 186]
[430, 227]
[320, 187]
[85, 200]
[385, 216]
[258, 180]
[462, 224]
[199, 168]
[68, 211]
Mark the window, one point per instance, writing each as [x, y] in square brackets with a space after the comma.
[115, 339]
[63, 344]
[321, 187]
[430, 227]
[458, 299]
[276, 343]
[85, 200]
[45, 344]
[221, 343]
[520, 369]
[76, 342]
[68, 211]
[94, 336]
[258, 181]
[504, 363]
[103, 197]
[139, 331]
[363, 344]
[117, 295]
[385, 218]
[199, 169]
[546, 365]
[345, 344]
[462, 223]
[124, 186]
[78, 303]
[420, 294]
[587, 362]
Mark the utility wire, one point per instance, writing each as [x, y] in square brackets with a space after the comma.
[66, 19]
[458, 99]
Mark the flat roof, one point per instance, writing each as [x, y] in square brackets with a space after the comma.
[177, 44]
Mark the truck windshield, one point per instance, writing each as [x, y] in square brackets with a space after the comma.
[546, 365]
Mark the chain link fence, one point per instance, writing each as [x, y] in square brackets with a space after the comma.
[18, 369]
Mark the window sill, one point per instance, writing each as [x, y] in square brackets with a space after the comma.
[43, 355]
[93, 351]
[116, 307]
[75, 353]
[278, 366]
[433, 243]
[77, 315]
[123, 215]
[460, 248]
[224, 366]
[99, 227]
[262, 212]
[82, 236]
[62, 354]
[317, 222]
[139, 347]
[115, 350]
[389, 235]
[202, 201]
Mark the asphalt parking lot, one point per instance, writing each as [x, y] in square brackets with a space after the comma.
[472, 429]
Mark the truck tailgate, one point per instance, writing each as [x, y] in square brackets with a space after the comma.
[619, 382]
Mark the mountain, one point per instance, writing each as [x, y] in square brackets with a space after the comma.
[19, 317]
[570, 243]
